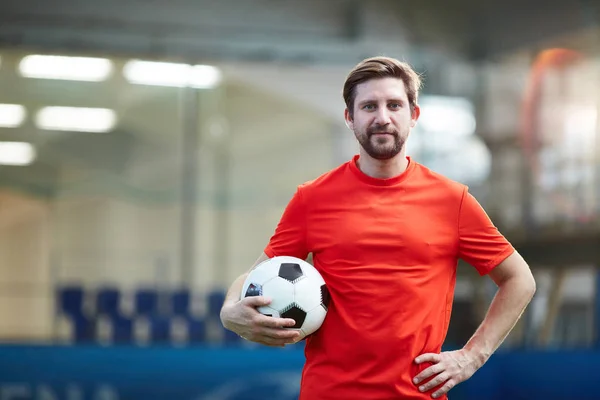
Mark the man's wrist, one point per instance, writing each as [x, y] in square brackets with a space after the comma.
[224, 310]
[478, 354]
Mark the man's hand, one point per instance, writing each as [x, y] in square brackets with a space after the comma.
[243, 318]
[448, 369]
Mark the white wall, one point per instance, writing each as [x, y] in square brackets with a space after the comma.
[25, 290]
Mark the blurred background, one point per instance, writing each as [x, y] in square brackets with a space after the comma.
[147, 150]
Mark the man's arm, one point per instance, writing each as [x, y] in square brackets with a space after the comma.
[516, 287]
[235, 290]
[241, 316]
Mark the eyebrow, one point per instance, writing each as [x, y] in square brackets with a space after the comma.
[367, 101]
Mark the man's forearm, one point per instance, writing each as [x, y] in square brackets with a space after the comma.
[235, 290]
[505, 310]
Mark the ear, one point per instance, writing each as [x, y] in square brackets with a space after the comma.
[349, 120]
[415, 115]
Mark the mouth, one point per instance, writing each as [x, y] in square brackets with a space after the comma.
[376, 134]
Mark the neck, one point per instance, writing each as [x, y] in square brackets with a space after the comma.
[382, 169]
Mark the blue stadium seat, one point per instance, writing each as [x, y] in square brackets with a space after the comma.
[160, 329]
[146, 302]
[83, 328]
[196, 330]
[122, 329]
[70, 300]
[180, 302]
[107, 301]
[215, 302]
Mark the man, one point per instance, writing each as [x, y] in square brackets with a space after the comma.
[386, 234]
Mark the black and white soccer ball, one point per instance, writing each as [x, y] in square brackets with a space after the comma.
[296, 289]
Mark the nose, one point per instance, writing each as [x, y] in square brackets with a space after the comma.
[382, 118]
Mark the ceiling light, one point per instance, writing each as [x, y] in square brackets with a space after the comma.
[11, 115]
[65, 68]
[171, 74]
[77, 119]
[205, 77]
[16, 153]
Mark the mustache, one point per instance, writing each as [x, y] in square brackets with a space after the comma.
[376, 130]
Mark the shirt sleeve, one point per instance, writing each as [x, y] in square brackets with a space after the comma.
[289, 238]
[480, 243]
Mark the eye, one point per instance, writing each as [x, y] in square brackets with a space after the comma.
[395, 106]
[369, 107]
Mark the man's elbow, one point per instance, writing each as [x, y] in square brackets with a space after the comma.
[526, 284]
[514, 273]
[521, 284]
[530, 284]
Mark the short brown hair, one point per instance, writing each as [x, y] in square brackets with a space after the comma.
[377, 68]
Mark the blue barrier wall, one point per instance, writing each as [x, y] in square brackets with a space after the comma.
[597, 311]
[111, 373]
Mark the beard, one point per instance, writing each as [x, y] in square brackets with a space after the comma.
[381, 148]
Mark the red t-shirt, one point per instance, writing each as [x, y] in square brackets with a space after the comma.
[388, 251]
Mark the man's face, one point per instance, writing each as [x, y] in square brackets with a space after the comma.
[382, 117]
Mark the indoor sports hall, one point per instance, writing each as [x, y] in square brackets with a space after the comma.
[148, 150]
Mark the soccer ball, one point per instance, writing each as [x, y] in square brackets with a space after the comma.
[296, 289]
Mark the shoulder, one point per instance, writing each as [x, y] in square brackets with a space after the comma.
[436, 182]
[325, 180]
